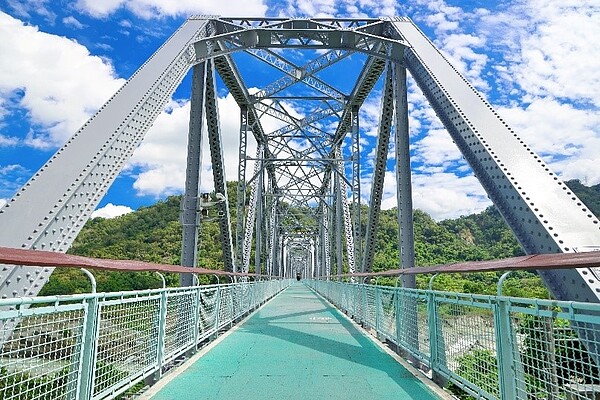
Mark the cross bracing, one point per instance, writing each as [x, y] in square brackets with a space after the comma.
[305, 201]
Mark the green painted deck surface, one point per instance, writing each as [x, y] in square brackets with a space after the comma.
[296, 347]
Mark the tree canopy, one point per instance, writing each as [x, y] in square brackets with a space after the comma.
[154, 234]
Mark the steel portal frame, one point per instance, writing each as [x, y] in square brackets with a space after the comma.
[309, 168]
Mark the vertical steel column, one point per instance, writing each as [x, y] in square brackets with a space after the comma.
[273, 239]
[338, 217]
[250, 218]
[216, 154]
[259, 216]
[241, 189]
[383, 140]
[313, 258]
[356, 211]
[350, 253]
[321, 242]
[280, 265]
[403, 180]
[190, 212]
[328, 233]
[284, 257]
[406, 243]
[268, 234]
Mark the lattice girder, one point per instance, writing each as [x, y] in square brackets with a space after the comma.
[301, 157]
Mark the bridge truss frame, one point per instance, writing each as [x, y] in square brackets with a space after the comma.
[313, 191]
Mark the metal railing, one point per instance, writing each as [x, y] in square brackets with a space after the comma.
[96, 346]
[491, 347]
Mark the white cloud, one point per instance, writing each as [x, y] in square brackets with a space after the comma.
[441, 194]
[330, 8]
[559, 59]
[437, 149]
[567, 138]
[159, 8]
[53, 74]
[547, 49]
[111, 211]
[8, 141]
[12, 176]
[104, 46]
[3, 202]
[445, 195]
[25, 9]
[73, 22]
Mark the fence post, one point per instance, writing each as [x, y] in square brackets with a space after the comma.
[218, 310]
[377, 311]
[437, 345]
[399, 326]
[196, 322]
[231, 304]
[85, 384]
[510, 379]
[363, 302]
[162, 322]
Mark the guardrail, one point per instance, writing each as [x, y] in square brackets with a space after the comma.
[96, 346]
[491, 347]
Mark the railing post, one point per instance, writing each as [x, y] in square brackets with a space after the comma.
[85, 382]
[399, 326]
[162, 322]
[437, 347]
[377, 311]
[231, 305]
[196, 322]
[510, 375]
[218, 310]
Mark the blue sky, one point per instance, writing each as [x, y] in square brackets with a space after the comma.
[537, 61]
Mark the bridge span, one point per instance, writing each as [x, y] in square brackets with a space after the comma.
[299, 210]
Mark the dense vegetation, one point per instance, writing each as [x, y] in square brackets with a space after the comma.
[154, 234]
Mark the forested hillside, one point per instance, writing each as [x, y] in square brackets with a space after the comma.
[154, 234]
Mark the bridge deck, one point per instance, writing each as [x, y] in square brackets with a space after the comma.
[295, 347]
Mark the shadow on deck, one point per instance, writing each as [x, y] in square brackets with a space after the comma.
[295, 347]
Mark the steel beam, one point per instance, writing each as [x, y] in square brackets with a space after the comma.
[218, 167]
[190, 207]
[241, 189]
[383, 141]
[403, 177]
[273, 230]
[235, 84]
[250, 218]
[258, 242]
[356, 208]
[339, 218]
[345, 211]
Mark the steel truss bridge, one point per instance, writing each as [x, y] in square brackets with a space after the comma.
[298, 202]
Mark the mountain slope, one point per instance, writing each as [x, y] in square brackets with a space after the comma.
[154, 234]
